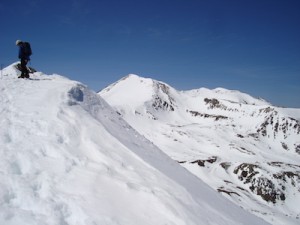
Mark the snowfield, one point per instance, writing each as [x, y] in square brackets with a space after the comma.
[243, 147]
[68, 158]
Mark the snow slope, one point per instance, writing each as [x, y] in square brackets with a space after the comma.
[241, 146]
[68, 158]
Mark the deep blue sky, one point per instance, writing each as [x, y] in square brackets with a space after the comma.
[251, 46]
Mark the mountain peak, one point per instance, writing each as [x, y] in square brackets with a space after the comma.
[133, 76]
[243, 147]
[233, 96]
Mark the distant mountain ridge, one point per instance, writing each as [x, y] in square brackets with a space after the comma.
[243, 147]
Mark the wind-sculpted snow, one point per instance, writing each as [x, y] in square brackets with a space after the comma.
[243, 147]
[68, 158]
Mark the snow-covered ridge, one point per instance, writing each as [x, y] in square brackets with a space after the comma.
[68, 158]
[243, 147]
[233, 96]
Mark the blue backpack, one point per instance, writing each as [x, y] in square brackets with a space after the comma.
[27, 49]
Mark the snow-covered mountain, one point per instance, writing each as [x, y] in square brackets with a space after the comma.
[68, 158]
[243, 147]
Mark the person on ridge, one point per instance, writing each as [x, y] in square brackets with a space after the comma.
[24, 53]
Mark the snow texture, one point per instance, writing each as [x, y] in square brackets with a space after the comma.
[68, 158]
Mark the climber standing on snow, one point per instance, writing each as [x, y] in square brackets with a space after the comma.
[24, 55]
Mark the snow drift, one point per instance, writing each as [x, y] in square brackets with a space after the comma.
[68, 158]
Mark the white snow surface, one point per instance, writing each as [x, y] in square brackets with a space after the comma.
[68, 158]
[229, 128]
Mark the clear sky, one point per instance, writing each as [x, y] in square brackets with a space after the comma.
[250, 46]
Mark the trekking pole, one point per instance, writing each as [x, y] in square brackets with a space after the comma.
[1, 69]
